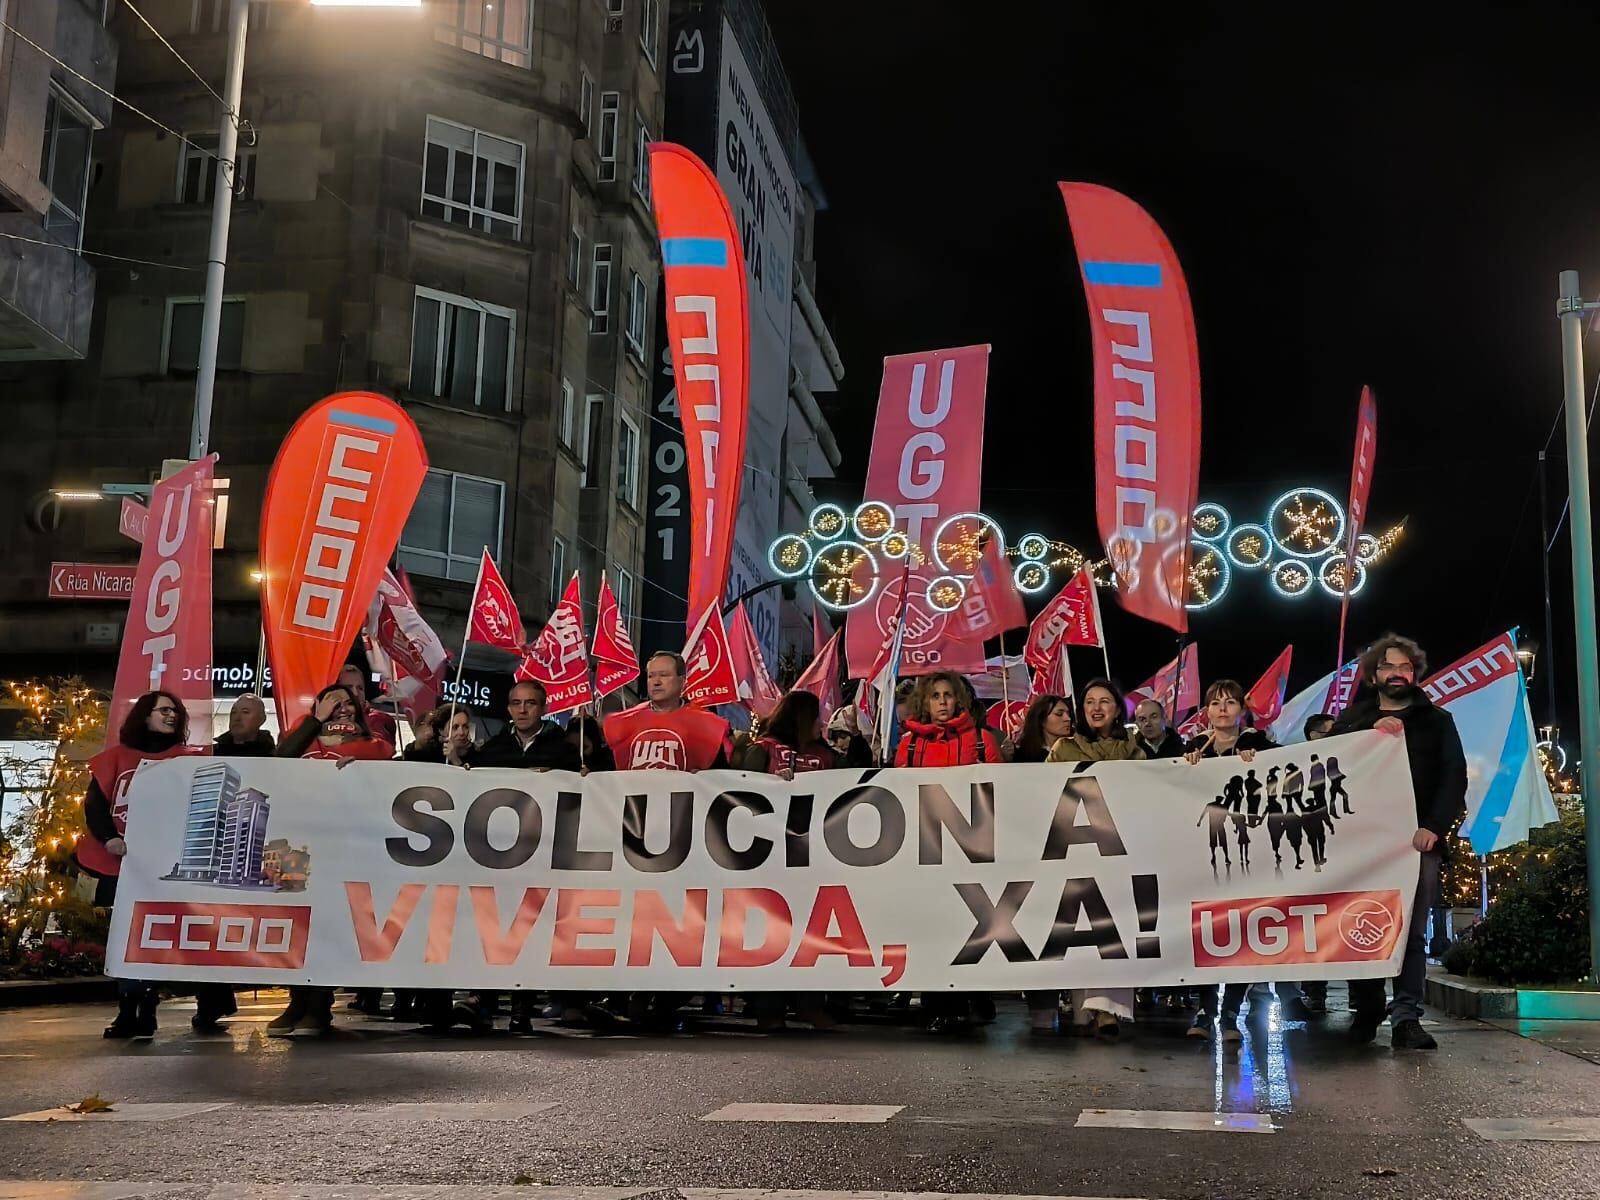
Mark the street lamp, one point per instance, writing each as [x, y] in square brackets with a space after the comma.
[222, 209]
[1527, 655]
[1569, 310]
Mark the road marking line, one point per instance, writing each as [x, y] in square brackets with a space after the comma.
[1207, 1122]
[38, 1189]
[1535, 1129]
[830, 1114]
[119, 1190]
[121, 1111]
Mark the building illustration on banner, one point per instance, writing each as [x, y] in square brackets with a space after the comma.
[225, 837]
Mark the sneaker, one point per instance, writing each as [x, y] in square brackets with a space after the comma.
[1410, 1035]
[1364, 1028]
[1200, 1027]
[522, 1024]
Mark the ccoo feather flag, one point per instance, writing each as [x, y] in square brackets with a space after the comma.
[1146, 398]
[708, 328]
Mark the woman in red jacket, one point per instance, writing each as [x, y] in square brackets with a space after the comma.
[156, 727]
[335, 728]
[941, 730]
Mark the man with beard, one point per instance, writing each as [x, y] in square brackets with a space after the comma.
[1392, 702]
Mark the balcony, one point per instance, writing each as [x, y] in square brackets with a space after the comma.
[46, 294]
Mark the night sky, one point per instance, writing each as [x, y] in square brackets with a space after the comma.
[1378, 205]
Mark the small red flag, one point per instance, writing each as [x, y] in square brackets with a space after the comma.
[708, 663]
[756, 689]
[556, 658]
[616, 661]
[1265, 701]
[1071, 619]
[821, 678]
[495, 620]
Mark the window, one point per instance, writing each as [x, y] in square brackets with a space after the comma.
[558, 571]
[575, 257]
[625, 600]
[593, 406]
[454, 519]
[650, 28]
[615, 8]
[180, 336]
[198, 166]
[641, 160]
[567, 415]
[638, 313]
[628, 461]
[211, 16]
[586, 101]
[610, 115]
[64, 166]
[500, 30]
[600, 289]
[472, 178]
[461, 350]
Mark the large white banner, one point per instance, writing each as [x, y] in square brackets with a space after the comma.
[994, 877]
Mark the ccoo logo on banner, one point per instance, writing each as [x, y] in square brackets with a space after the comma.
[999, 877]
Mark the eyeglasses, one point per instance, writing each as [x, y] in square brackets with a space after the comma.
[166, 710]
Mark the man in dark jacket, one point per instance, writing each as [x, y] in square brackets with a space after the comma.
[530, 740]
[245, 738]
[1395, 704]
[1156, 738]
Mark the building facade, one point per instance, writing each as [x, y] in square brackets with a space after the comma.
[50, 110]
[449, 206]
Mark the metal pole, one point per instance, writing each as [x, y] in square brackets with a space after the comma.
[1549, 612]
[1569, 308]
[221, 214]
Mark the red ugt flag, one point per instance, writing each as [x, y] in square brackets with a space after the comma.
[1265, 701]
[992, 605]
[821, 678]
[495, 620]
[1176, 686]
[1071, 619]
[756, 689]
[616, 661]
[708, 663]
[557, 659]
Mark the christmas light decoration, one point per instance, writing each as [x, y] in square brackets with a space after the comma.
[1306, 522]
[946, 593]
[1250, 547]
[1209, 576]
[1210, 522]
[827, 520]
[844, 574]
[1292, 578]
[790, 556]
[873, 521]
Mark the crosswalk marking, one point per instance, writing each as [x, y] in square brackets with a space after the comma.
[121, 1112]
[1535, 1129]
[830, 1114]
[1183, 1122]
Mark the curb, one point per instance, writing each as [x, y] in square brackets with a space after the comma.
[77, 989]
[1463, 997]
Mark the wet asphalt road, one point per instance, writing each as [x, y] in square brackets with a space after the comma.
[994, 1112]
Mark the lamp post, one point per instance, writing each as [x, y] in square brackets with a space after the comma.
[1569, 310]
[205, 381]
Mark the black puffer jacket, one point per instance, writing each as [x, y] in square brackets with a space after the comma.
[1438, 764]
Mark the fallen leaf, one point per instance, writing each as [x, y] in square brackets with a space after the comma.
[1380, 1172]
[91, 1104]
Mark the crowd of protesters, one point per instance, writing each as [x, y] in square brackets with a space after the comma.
[941, 725]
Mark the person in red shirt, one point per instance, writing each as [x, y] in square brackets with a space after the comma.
[380, 723]
[940, 728]
[335, 729]
[664, 734]
[156, 727]
[792, 742]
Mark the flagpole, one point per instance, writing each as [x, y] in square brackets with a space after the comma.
[461, 663]
[1099, 625]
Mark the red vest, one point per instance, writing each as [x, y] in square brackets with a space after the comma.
[687, 739]
[113, 770]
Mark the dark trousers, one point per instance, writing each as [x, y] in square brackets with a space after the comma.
[1410, 986]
